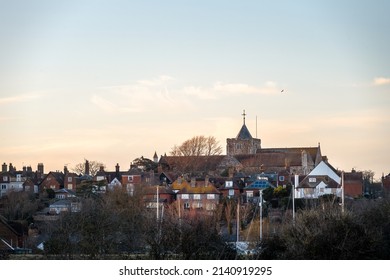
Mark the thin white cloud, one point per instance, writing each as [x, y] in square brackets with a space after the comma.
[199, 92]
[240, 88]
[380, 81]
[20, 98]
[142, 95]
[161, 80]
[110, 107]
[220, 90]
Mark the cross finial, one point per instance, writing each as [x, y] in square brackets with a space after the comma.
[243, 114]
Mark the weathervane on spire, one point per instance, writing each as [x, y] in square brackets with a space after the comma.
[243, 114]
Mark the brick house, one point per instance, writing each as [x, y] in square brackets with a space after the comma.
[353, 184]
[196, 193]
[386, 184]
[229, 187]
[131, 180]
[70, 180]
[165, 196]
[30, 185]
[53, 180]
[10, 238]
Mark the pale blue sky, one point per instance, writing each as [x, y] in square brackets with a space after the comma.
[114, 80]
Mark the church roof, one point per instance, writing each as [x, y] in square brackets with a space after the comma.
[244, 133]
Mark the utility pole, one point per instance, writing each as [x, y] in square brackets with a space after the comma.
[342, 192]
[158, 206]
[238, 221]
[261, 215]
[296, 182]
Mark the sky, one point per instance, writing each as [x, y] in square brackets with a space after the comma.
[115, 80]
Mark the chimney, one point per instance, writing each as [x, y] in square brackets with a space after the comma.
[65, 169]
[86, 167]
[40, 168]
[4, 167]
[11, 168]
[117, 168]
[231, 172]
[193, 182]
[101, 169]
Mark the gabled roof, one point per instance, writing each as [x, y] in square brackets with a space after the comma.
[134, 171]
[64, 190]
[60, 203]
[322, 175]
[58, 176]
[200, 190]
[199, 186]
[259, 184]
[295, 153]
[192, 163]
[318, 181]
[324, 168]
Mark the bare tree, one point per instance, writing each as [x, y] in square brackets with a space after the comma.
[198, 146]
[94, 167]
[19, 205]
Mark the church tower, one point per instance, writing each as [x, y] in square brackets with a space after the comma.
[244, 143]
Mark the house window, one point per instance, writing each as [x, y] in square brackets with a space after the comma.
[3, 187]
[281, 178]
[98, 178]
[130, 178]
[5, 178]
[70, 186]
[52, 187]
[18, 177]
[249, 194]
[312, 180]
[229, 184]
[197, 196]
[185, 196]
[198, 205]
[70, 179]
[231, 192]
[210, 196]
[186, 205]
[210, 206]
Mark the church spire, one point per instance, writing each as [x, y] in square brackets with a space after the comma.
[243, 116]
[244, 132]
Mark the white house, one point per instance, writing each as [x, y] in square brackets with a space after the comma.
[323, 179]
